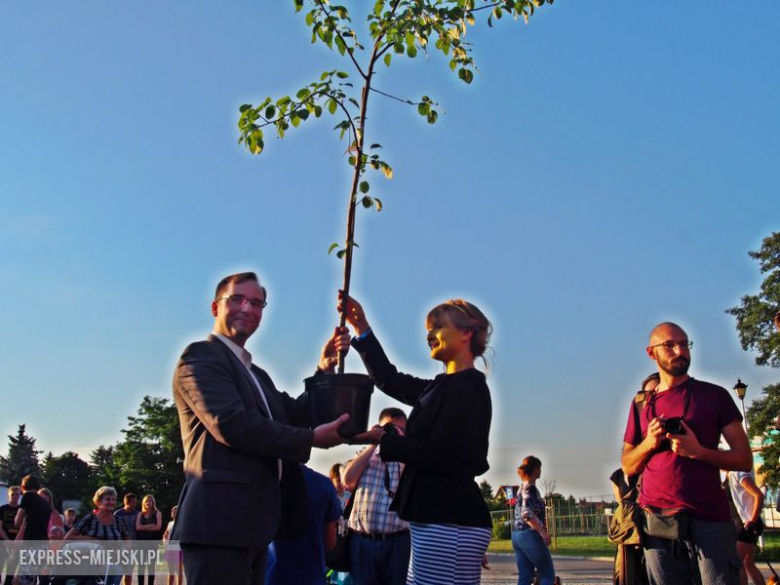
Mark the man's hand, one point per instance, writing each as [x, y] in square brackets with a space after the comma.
[353, 312]
[327, 436]
[655, 435]
[330, 352]
[685, 445]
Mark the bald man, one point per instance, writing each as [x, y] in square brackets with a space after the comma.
[672, 438]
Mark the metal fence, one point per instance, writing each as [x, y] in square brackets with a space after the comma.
[590, 516]
[573, 516]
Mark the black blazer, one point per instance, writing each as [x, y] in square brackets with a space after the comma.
[446, 442]
[232, 494]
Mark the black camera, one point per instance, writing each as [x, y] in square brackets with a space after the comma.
[673, 425]
[390, 429]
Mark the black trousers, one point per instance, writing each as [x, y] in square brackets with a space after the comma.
[222, 565]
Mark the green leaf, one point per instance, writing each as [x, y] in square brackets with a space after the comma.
[388, 58]
[332, 105]
[466, 75]
[432, 116]
[270, 112]
[295, 120]
[333, 246]
[342, 74]
[243, 108]
[388, 172]
[378, 203]
[341, 253]
[367, 202]
[364, 186]
[298, 5]
[342, 48]
[424, 108]
[303, 94]
[351, 161]
[317, 111]
[375, 145]
[411, 51]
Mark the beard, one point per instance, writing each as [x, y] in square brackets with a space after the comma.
[676, 366]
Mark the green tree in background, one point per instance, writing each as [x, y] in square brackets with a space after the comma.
[22, 458]
[67, 476]
[487, 490]
[149, 459]
[758, 333]
[395, 29]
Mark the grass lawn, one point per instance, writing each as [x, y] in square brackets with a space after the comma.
[599, 546]
[576, 546]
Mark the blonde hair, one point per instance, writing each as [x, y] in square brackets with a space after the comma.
[47, 492]
[464, 316]
[102, 492]
[154, 502]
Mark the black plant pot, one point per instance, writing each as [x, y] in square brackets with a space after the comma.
[331, 395]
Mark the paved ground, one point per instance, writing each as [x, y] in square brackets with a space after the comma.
[572, 571]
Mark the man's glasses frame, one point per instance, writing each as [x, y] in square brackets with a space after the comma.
[671, 345]
[239, 300]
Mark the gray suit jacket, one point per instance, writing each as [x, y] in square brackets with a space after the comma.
[231, 495]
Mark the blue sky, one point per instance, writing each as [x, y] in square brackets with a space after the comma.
[609, 168]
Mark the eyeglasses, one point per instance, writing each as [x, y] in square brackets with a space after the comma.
[670, 346]
[237, 301]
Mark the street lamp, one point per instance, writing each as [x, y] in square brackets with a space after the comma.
[741, 389]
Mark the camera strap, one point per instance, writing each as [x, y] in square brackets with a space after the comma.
[653, 395]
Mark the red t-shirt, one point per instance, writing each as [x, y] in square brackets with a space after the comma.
[672, 481]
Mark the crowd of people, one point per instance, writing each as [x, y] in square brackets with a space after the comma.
[406, 508]
[30, 516]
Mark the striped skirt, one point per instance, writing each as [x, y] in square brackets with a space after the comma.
[447, 554]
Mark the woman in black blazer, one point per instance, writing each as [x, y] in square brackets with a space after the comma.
[446, 441]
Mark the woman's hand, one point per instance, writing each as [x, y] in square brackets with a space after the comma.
[372, 437]
[336, 344]
[353, 312]
[545, 535]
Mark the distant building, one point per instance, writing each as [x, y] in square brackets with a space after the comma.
[508, 493]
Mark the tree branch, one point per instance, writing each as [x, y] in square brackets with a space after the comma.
[403, 101]
[335, 28]
[377, 51]
[486, 7]
[346, 113]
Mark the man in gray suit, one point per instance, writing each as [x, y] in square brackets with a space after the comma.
[237, 432]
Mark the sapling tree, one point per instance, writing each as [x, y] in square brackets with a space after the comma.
[395, 29]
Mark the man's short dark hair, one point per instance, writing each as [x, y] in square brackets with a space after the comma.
[392, 413]
[31, 482]
[237, 278]
[129, 496]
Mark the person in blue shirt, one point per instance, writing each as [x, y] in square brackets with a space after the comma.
[301, 561]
